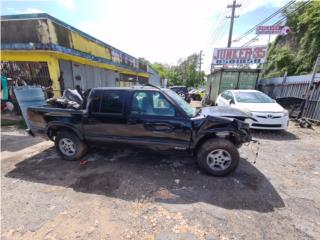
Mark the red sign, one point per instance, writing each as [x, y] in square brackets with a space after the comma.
[239, 56]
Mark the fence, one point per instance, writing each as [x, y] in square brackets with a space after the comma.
[295, 86]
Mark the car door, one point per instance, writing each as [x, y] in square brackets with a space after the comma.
[154, 121]
[105, 118]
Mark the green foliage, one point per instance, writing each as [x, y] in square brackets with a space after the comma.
[19, 123]
[296, 52]
[185, 73]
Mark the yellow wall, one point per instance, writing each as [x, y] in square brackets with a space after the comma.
[53, 64]
[84, 45]
[52, 58]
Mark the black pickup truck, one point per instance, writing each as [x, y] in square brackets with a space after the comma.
[147, 117]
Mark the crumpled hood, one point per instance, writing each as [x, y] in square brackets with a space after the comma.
[219, 111]
[260, 107]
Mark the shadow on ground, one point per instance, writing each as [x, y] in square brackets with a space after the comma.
[132, 175]
[13, 143]
[278, 135]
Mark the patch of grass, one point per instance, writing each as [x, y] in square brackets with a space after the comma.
[18, 123]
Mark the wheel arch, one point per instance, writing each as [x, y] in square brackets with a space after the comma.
[230, 136]
[54, 128]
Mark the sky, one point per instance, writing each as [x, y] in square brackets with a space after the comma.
[159, 30]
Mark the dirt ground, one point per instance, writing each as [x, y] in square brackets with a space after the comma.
[125, 194]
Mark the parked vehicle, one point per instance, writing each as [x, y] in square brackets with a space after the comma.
[195, 95]
[146, 117]
[182, 91]
[268, 113]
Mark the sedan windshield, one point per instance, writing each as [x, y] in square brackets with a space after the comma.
[190, 111]
[252, 97]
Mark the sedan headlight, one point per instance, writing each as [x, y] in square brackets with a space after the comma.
[285, 113]
[247, 112]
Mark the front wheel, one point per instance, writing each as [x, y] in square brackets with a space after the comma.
[218, 157]
[69, 146]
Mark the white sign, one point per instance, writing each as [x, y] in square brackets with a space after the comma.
[275, 29]
[239, 56]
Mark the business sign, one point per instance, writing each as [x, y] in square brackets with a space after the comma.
[239, 56]
[283, 30]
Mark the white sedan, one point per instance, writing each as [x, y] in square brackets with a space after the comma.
[268, 113]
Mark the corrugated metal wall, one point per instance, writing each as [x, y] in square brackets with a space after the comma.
[86, 76]
[295, 86]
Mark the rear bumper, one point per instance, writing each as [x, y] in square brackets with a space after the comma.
[37, 132]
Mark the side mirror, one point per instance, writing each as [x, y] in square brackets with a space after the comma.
[230, 101]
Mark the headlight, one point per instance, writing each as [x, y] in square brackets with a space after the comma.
[285, 113]
[247, 112]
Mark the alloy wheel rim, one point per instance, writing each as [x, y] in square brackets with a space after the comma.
[67, 146]
[219, 159]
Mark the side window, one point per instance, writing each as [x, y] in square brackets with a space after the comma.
[108, 102]
[231, 97]
[151, 103]
[224, 95]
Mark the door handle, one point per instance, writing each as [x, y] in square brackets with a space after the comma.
[91, 120]
[132, 121]
[159, 127]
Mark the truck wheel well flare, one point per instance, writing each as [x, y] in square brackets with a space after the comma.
[53, 131]
[229, 137]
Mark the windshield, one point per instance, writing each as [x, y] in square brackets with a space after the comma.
[190, 111]
[252, 97]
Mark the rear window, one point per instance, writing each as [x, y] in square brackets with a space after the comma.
[108, 102]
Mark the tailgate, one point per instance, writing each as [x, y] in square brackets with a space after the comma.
[29, 96]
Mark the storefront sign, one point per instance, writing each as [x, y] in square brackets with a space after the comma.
[239, 56]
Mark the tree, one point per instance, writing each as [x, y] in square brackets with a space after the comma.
[296, 52]
[185, 73]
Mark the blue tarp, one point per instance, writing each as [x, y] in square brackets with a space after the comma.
[29, 96]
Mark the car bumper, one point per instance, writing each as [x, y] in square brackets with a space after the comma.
[272, 124]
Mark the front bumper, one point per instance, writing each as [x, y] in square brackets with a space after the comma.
[269, 121]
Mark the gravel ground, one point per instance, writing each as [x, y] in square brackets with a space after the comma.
[125, 194]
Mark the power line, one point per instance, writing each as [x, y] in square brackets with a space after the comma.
[277, 23]
[264, 21]
[219, 24]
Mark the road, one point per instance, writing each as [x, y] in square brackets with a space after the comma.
[127, 194]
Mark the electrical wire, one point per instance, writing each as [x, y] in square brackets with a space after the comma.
[277, 23]
[265, 20]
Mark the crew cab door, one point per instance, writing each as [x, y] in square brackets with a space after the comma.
[105, 119]
[154, 120]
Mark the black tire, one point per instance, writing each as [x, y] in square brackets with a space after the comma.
[182, 95]
[229, 151]
[80, 148]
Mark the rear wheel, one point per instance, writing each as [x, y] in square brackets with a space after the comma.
[69, 146]
[182, 95]
[218, 157]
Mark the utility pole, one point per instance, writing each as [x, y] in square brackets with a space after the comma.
[200, 60]
[233, 6]
[200, 64]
